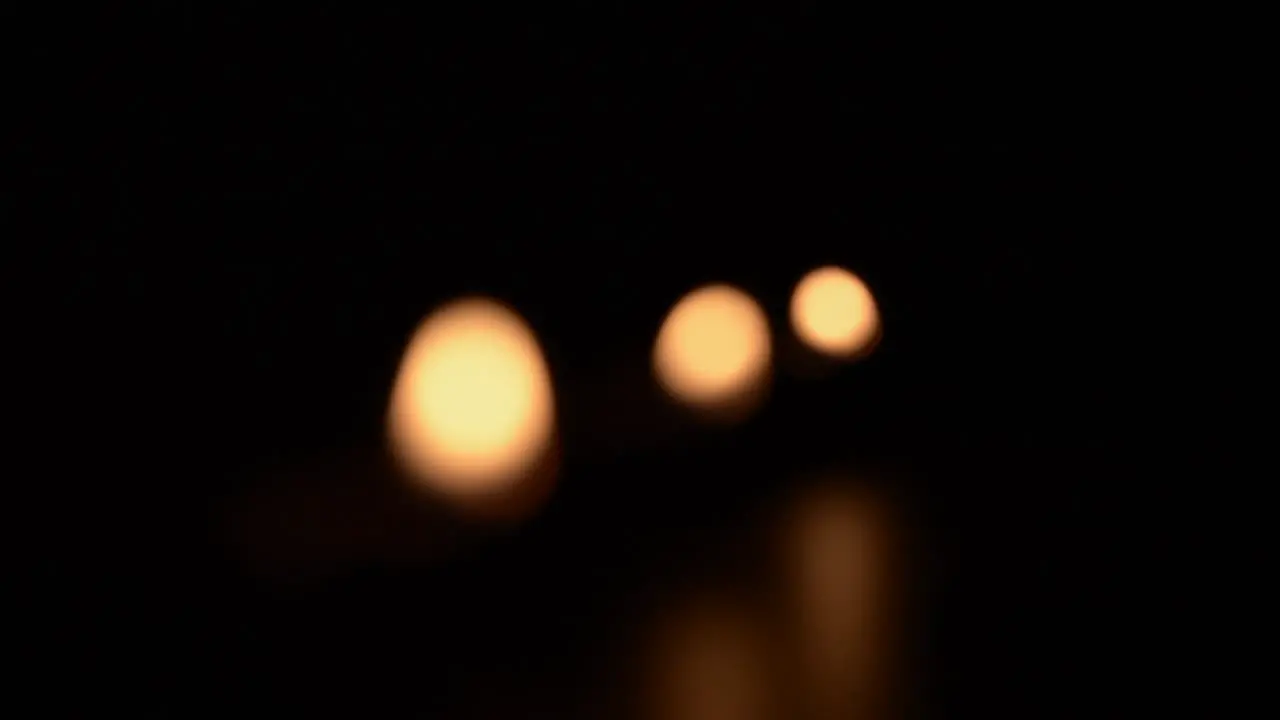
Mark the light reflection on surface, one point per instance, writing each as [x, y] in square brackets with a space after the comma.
[838, 546]
[711, 660]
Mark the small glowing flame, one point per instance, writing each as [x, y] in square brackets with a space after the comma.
[472, 411]
[713, 348]
[833, 312]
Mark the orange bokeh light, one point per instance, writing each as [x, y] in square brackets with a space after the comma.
[714, 348]
[833, 312]
[472, 411]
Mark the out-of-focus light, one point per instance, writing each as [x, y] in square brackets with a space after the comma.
[713, 349]
[712, 662]
[840, 556]
[472, 412]
[833, 312]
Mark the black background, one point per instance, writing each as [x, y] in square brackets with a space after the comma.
[239, 217]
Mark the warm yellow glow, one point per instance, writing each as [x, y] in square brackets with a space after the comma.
[833, 312]
[472, 410]
[713, 347]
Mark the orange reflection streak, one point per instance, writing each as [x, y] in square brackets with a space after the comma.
[712, 662]
[841, 558]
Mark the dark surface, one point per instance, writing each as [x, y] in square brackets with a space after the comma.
[245, 218]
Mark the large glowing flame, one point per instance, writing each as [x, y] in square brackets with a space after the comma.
[713, 348]
[833, 312]
[472, 411]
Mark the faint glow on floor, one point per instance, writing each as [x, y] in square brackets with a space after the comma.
[838, 549]
[711, 661]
